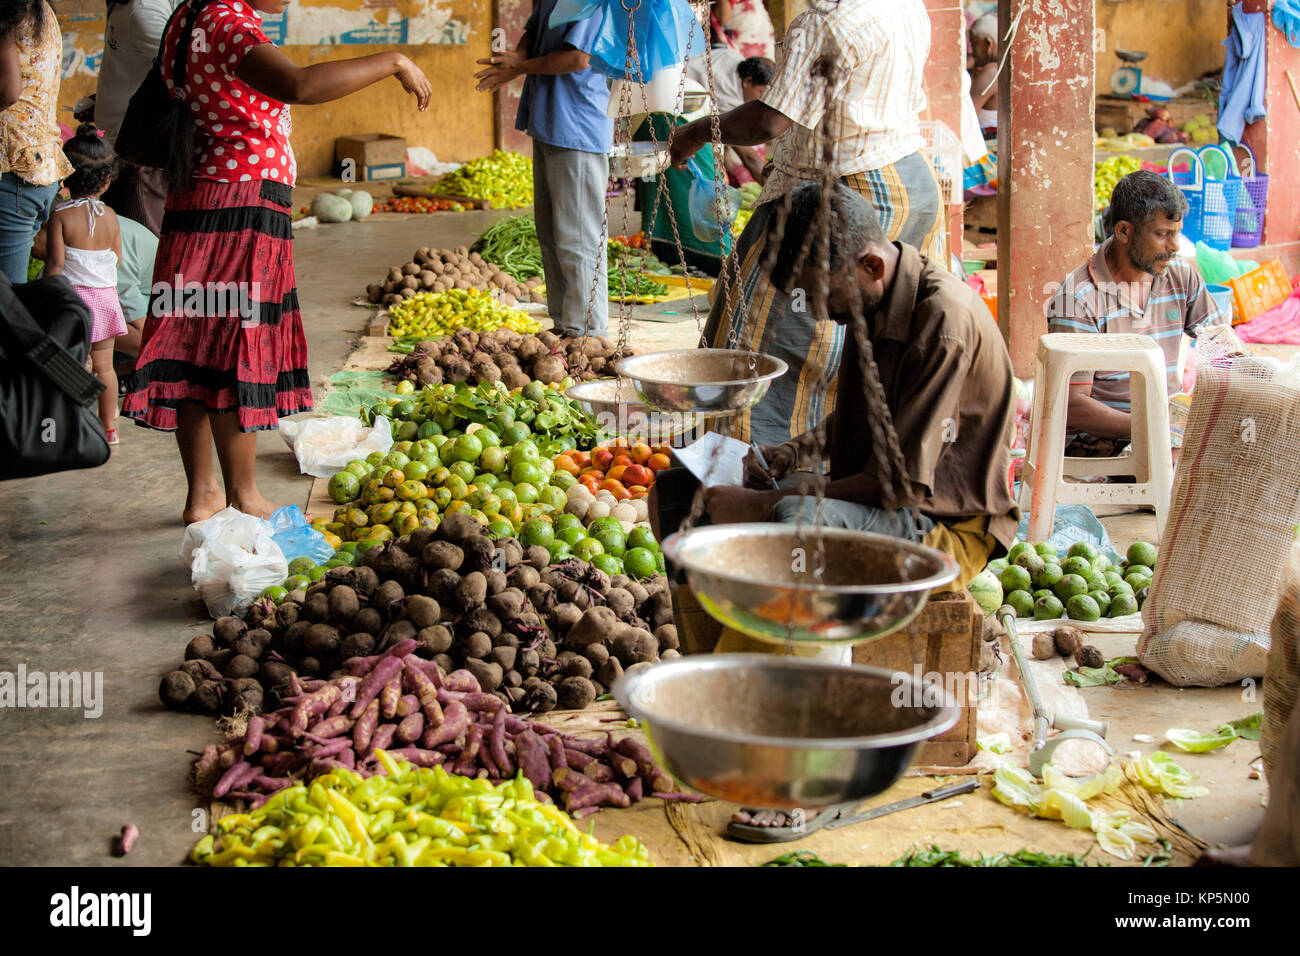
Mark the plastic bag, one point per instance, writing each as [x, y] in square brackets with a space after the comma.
[233, 559]
[325, 445]
[296, 538]
[665, 31]
[704, 207]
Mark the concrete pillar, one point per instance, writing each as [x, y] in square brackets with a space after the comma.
[1045, 161]
[508, 19]
[943, 89]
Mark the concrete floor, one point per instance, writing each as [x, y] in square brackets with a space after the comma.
[90, 580]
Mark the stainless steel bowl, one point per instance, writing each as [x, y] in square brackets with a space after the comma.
[617, 408]
[701, 380]
[761, 579]
[765, 730]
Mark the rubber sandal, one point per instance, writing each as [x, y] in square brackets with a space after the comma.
[111, 435]
[748, 833]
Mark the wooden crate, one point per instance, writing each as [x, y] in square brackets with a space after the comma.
[944, 639]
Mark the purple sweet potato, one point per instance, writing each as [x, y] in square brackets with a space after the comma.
[331, 748]
[456, 722]
[426, 691]
[635, 790]
[592, 794]
[633, 748]
[410, 729]
[253, 735]
[364, 729]
[467, 765]
[238, 775]
[383, 737]
[418, 756]
[463, 681]
[389, 696]
[407, 705]
[384, 670]
[331, 727]
[533, 760]
[497, 743]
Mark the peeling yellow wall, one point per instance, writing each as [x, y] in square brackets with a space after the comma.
[457, 126]
[1182, 38]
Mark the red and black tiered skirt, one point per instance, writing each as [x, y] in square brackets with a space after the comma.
[224, 329]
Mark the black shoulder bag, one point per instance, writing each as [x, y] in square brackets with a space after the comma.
[48, 419]
[157, 129]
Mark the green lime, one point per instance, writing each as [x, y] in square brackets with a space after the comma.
[463, 470]
[1070, 585]
[614, 541]
[642, 537]
[416, 471]
[1016, 578]
[537, 531]
[1096, 581]
[301, 565]
[997, 565]
[1123, 604]
[640, 563]
[526, 493]
[493, 460]
[1082, 608]
[1021, 601]
[1102, 599]
[1045, 548]
[527, 471]
[1142, 552]
[1031, 561]
[1082, 549]
[608, 563]
[428, 430]
[1048, 577]
[563, 522]
[602, 524]
[296, 581]
[500, 528]
[1041, 593]
[559, 550]
[315, 574]
[1102, 563]
[485, 481]
[487, 438]
[466, 448]
[359, 467]
[1048, 608]
[553, 497]
[1112, 578]
[1017, 549]
[275, 593]
[524, 451]
[1076, 564]
[588, 548]
[396, 459]
[572, 536]
[1137, 579]
[563, 480]
[375, 459]
[514, 433]
[1120, 587]
[406, 430]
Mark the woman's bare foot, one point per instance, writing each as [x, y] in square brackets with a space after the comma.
[204, 503]
[253, 504]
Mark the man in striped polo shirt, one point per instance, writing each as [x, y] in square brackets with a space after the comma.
[1133, 284]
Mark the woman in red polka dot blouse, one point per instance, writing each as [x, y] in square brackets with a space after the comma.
[224, 354]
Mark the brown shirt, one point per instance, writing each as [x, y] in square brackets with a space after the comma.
[948, 381]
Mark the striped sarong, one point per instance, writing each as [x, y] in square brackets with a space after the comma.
[906, 197]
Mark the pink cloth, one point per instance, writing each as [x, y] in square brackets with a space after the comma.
[106, 318]
[1280, 325]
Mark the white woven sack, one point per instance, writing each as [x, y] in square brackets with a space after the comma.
[1282, 675]
[1235, 505]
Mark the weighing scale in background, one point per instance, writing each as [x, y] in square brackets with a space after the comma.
[1127, 80]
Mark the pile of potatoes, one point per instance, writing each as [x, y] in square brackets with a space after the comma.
[534, 634]
[506, 356]
[437, 270]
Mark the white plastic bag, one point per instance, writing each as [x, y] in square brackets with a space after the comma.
[232, 559]
[325, 445]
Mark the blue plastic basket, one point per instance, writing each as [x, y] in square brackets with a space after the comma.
[1211, 203]
[1222, 296]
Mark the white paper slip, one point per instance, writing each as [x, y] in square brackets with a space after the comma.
[714, 459]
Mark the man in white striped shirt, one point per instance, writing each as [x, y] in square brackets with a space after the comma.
[850, 73]
[1134, 284]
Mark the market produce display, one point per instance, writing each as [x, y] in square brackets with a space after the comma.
[504, 179]
[505, 356]
[411, 816]
[419, 204]
[634, 285]
[1109, 172]
[512, 244]
[342, 205]
[440, 270]
[1083, 586]
[749, 193]
[399, 702]
[433, 314]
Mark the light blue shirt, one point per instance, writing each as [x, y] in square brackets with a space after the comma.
[566, 111]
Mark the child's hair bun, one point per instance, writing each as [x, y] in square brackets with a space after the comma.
[89, 129]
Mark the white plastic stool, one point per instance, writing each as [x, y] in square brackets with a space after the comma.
[1149, 459]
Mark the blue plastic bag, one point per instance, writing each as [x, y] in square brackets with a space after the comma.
[662, 31]
[702, 201]
[296, 538]
[1286, 17]
[1072, 524]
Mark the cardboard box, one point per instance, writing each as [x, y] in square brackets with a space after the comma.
[370, 156]
[944, 639]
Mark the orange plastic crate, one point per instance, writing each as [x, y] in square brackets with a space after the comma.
[1258, 291]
